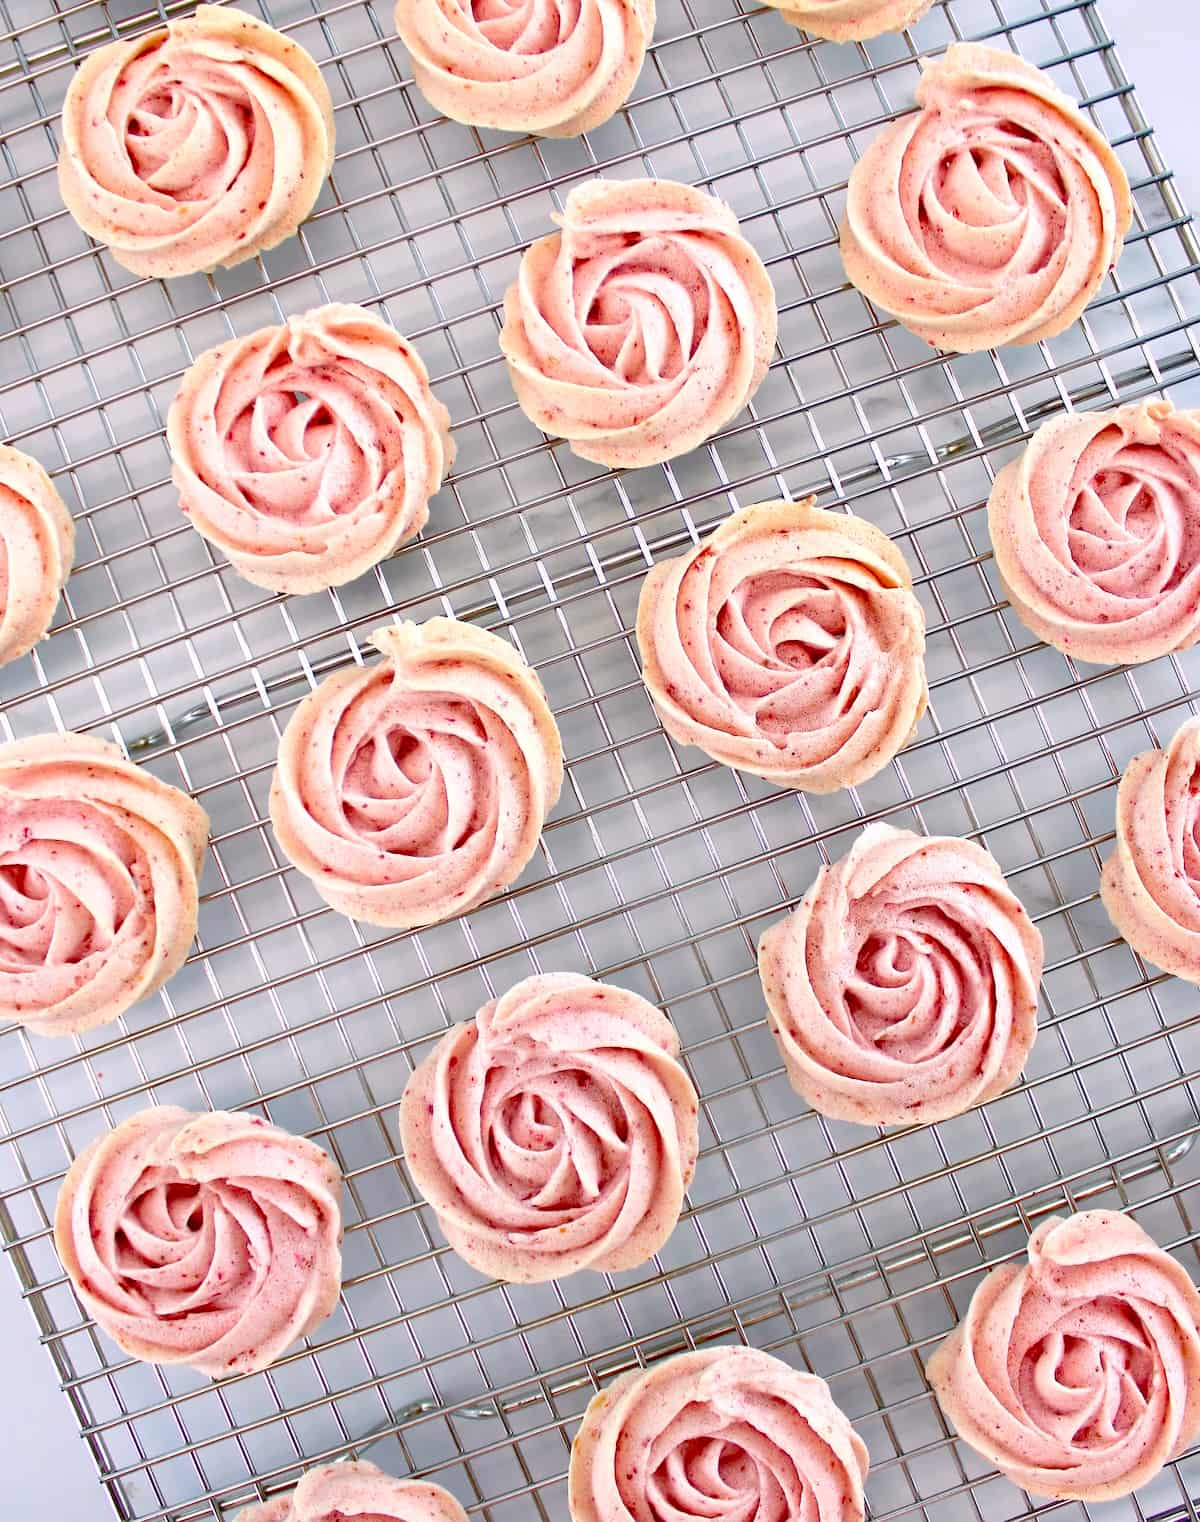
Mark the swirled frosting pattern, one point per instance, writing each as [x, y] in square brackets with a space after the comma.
[555, 1132]
[1078, 1374]
[729, 1434]
[37, 546]
[308, 452]
[99, 863]
[789, 644]
[210, 1240]
[1096, 532]
[195, 145]
[643, 326]
[412, 790]
[903, 989]
[359, 1492]
[1151, 883]
[553, 67]
[851, 20]
[991, 215]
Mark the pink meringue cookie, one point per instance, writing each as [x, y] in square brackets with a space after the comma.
[725, 1433]
[555, 1132]
[308, 452]
[903, 989]
[991, 215]
[198, 144]
[1078, 1374]
[542, 66]
[357, 1492]
[788, 644]
[851, 20]
[99, 868]
[412, 790]
[211, 1240]
[1151, 883]
[643, 326]
[1096, 532]
[37, 546]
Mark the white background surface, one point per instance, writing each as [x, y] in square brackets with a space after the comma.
[47, 1468]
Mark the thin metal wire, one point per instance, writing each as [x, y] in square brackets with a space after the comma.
[848, 1252]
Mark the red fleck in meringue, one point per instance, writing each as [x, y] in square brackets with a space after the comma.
[725, 1433]
[359, 1492]
[555, 1132]
[789, 644]
[210, 1240]
[412, 790]
[1151, 883]
[1096, 531]
[903, 989]
[37, 546]
[308, 452]
[198, 144]
[643, 326]
[851, 20]
[99, 863]
[1078, 1374]
[991, 215]
[553, 67]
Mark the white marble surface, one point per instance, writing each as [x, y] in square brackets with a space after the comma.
[48, 1471]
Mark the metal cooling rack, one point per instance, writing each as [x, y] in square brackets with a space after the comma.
[846, 1251]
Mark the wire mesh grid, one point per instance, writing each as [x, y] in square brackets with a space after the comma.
[847, 1251]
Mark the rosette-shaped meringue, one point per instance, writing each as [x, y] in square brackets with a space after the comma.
[851, 20]
[412, 790]
[1096, 531]
[1078, 1374]
[991, 215]
[555, 1132]
[211, 1240]
[1151, 883]
[729, 1433]
[357, 1493]
[99, 863]
[37, 546]
[554, 67]
[789, 644]
[195, 145]
[903, 989]
[643, 326]
[308, 452]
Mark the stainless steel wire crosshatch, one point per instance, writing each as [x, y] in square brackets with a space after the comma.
[846, 1251]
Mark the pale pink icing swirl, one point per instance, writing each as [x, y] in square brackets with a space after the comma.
[851, 20]
[37, 546]
[643, 326]
[308, 452]
[724, 1435]
[555, 1132]
[211, 1240]
[1151, 883]
[991, 215]
[99, 863]
[1096, 531]
[357, 1492]
[554, 67]
[412, 790]
[903, 989]
[1078, 1374]
[788, 644]
[195, 145]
